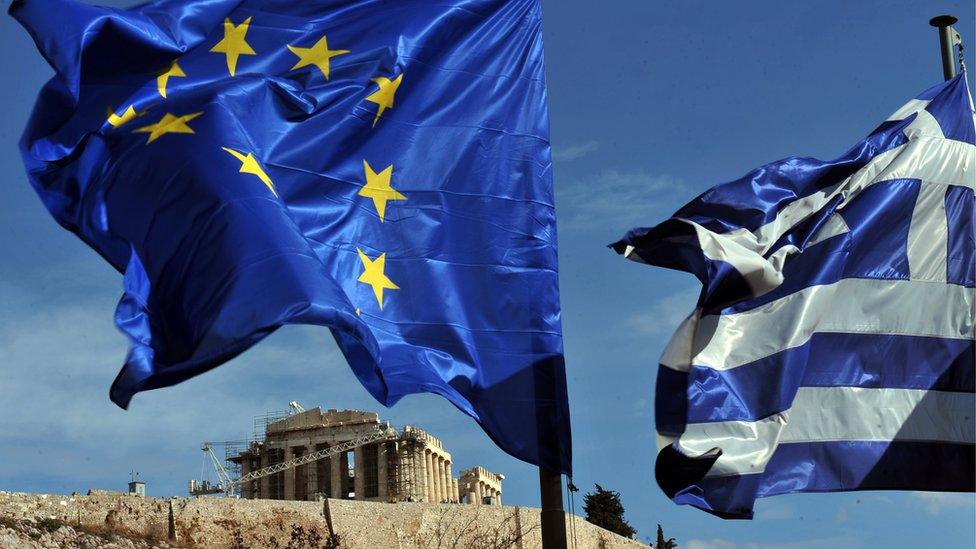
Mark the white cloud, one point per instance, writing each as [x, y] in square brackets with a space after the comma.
[57, 422]
[774, 510]
[841, 515]
[616, 201]
[60, 352]
[572, 152]
[664, 315]
[835, 541]
[714, 543]
[936, 502]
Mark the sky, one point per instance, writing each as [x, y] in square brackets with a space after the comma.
[651, 103]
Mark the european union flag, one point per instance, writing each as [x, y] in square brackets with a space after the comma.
[380, 168]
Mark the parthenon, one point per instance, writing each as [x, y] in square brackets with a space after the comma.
[405, 465]
[481, 485]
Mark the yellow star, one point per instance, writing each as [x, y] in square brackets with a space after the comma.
[168, 124]
[250, 165]
[233, 44]
[374, 276]
[318, 55]
[378, 188]
[163, 77]
[127, 116]
[383, 97]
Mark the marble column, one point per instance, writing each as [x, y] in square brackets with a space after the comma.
[479, 491]
[382, 474]
[311, 474]
[337, 474]
[429, 476]
[265, 482]
[434, 496]
[457, 490]
[438, 478]
[448, 485]
[420, 480]
[445, 480]
[412, 481]
[359, 478]
[289, 475]
[498, 497]
[405, 476]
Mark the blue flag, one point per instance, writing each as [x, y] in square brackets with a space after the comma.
[380, 168]
[832, 345]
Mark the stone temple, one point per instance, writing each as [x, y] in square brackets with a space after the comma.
[403, 465]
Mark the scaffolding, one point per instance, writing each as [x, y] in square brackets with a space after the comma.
[262, 421]
[233, 448]
[403, 452]
[405, 481]
[231, 451]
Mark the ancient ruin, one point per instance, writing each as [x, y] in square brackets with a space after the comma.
[480, 484]
[352, 454]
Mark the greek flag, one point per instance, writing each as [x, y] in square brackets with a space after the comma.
[832, 344]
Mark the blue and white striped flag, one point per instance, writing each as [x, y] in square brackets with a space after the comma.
[832, 345]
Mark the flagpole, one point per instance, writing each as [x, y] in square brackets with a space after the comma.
[944, 24]
[553, 517]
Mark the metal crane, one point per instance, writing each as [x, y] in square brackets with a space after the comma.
[230, 487]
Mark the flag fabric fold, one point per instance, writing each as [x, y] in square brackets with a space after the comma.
[379, 168]
[832, 346]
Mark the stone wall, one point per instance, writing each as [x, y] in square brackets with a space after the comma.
[238, 523]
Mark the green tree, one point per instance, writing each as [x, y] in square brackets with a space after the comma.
[603, 508]
[664, 543]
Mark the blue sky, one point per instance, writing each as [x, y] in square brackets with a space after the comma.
[651, 103]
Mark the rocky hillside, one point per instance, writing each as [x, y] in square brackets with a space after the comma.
[122, 521]
[47, 533]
